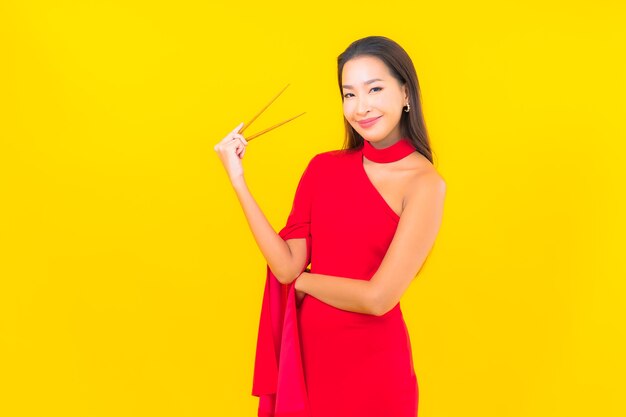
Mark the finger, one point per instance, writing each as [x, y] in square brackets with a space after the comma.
[235, 130]
[243, 140]
[227, 139]
[235, 143]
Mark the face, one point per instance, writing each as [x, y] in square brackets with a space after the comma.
[363, 99]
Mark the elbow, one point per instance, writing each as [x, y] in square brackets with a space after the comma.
[285, 277]
[378, 304]
[381, 300]
[378, 310]
[281, 278]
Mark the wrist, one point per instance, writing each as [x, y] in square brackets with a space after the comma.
[298, 282]
[238, 182]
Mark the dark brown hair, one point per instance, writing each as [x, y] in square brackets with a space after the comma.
[401, 67]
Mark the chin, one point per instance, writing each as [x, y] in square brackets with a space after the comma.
[372, 137]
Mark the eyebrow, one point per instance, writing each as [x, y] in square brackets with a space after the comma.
[346, 86]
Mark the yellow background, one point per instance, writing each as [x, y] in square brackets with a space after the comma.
[131, 284]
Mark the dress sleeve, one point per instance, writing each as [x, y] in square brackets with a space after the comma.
[299, 220]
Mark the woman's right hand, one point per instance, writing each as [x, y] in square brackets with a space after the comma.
[230, 151]
[299, 297]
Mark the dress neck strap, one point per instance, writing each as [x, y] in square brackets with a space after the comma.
[392, 153]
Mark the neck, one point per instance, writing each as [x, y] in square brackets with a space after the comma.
[392, 153]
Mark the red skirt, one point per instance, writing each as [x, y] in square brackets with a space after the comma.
[356, 365]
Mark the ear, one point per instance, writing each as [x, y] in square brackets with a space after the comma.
[405, 91]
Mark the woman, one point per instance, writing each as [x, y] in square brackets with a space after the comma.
[365, 217]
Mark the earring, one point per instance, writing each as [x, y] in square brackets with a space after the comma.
[408, 107]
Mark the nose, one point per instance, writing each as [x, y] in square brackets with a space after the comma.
[362, 106]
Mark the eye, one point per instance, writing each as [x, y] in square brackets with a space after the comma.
[373, 88]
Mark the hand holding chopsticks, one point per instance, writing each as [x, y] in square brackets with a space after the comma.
[232, 148]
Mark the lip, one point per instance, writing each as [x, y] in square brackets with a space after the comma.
[369, 122]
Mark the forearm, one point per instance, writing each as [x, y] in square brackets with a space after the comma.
[344, 293]
[274, 249]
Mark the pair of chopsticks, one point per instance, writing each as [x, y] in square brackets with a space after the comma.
[248, 139]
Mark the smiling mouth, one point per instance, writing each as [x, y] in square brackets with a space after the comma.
[368, 122]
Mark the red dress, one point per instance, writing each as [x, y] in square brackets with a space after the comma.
[317, 360]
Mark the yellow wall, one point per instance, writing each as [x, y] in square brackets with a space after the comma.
[130, 282]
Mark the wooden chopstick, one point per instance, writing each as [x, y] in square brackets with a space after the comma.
[261, 111]
[249, 138]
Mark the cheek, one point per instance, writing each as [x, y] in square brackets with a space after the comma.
[383, 101]
[347, 109]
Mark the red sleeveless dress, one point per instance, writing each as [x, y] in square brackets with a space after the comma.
[316, 360]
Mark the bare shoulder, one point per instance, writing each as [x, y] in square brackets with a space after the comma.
[424, 181]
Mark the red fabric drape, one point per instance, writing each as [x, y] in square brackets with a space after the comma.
[279, 380]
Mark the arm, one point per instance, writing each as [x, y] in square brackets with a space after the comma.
[340, 292]
[285, 258]
[412, 242]
[284, 252]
